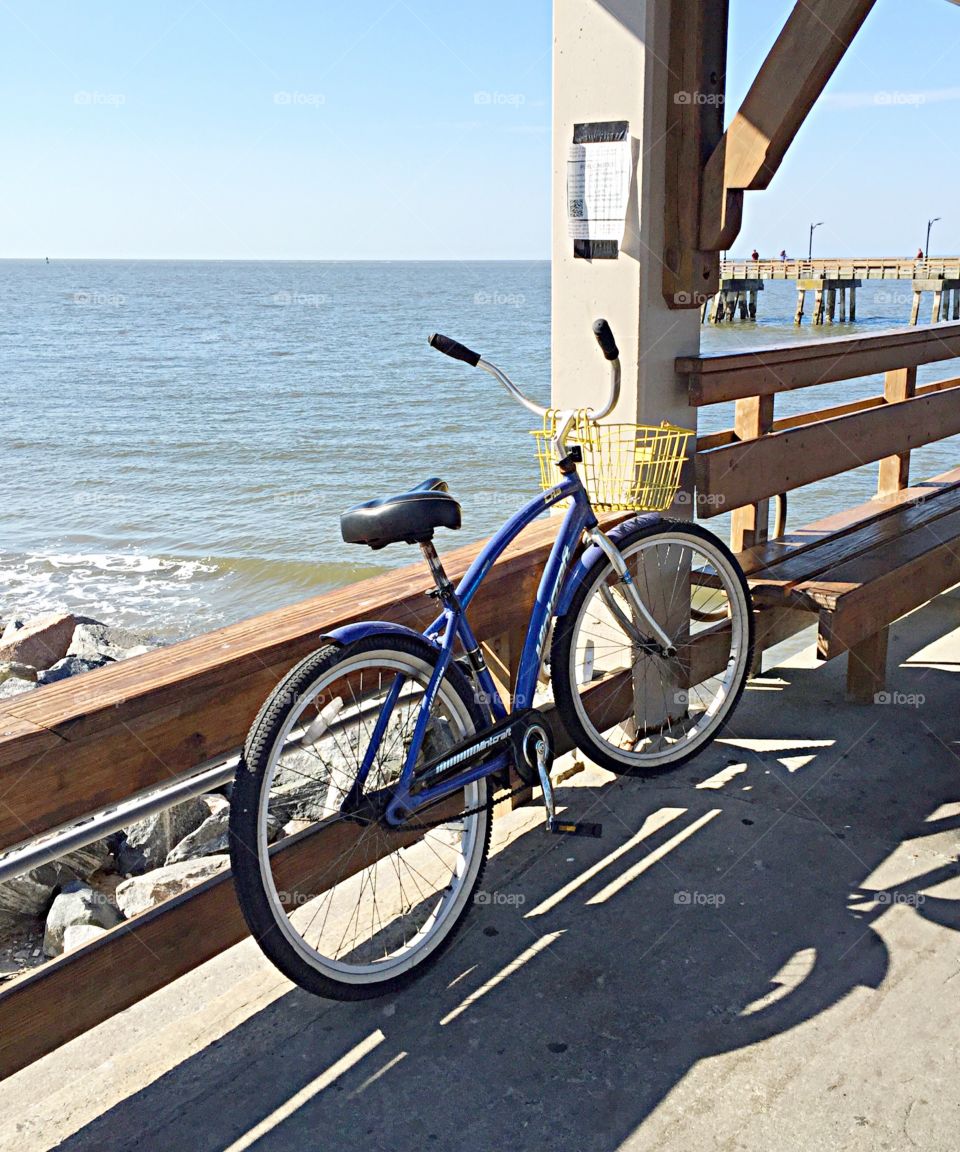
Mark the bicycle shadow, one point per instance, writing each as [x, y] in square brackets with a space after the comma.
[728, 903]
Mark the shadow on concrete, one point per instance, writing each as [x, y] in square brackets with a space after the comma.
[605, 971]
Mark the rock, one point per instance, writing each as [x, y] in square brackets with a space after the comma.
[69, 666]
[41, 641]
[139, 893]
[93, 641]
[18, 672]
[213, 836]
[76, 935]
[11, 688]
[149, 842]
[78, 903]
[215, 802]
[89, 859]
[30, 895]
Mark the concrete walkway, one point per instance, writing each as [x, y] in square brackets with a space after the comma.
[761, 953]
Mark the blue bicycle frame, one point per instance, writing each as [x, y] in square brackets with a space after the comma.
[451, 625]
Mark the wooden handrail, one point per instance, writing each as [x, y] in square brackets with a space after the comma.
[716, 379]
[742, 473]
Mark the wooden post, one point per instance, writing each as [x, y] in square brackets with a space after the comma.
[801, 301]
[937, 301]
[915, 311]
[742, 301]
[831, 305]
[853, 303]
[718, 308]
[866, 668]
[843, 305]
[956, 303]
[753, 417]
[818, 306]
[753, 303]
[894, 474]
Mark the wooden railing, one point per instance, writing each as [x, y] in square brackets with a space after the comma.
[843, 268]
[740, 468]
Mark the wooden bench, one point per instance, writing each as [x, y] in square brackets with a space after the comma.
[861, 569]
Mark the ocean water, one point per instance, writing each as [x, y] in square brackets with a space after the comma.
[179, 438]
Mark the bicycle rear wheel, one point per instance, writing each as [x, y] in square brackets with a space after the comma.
[624, 705]
[342, 904]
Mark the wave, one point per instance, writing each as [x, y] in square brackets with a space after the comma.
[171, 597]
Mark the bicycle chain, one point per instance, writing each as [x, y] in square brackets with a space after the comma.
[426, 825]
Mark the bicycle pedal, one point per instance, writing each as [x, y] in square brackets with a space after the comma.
[574, 828]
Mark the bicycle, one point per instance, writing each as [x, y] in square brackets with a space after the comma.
[361, 810]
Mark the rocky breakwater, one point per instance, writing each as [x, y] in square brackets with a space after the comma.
[67, 903]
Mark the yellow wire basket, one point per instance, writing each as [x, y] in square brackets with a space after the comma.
[626, 467]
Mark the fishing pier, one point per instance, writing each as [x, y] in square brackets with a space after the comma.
[834, 284]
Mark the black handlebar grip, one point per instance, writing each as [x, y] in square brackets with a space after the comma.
[608, 346]
[451, 348]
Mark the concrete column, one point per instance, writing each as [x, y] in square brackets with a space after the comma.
[608, 64]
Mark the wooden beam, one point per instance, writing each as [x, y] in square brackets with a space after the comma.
[695, 94]
[749, 525]
[716, 379]
[803, 58]
[894, 473]
[739, 474]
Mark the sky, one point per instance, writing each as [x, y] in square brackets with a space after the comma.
[411, 129]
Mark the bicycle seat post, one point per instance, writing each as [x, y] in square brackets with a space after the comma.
[445, 589]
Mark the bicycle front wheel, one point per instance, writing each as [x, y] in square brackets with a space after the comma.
[343, 904]
[624, 705]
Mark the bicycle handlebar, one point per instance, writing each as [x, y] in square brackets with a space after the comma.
[601, 329]
[608, 346]
[452, 348]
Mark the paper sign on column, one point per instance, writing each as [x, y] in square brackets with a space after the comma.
[598, 187]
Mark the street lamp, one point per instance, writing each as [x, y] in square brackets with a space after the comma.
[810, 251]
[930, 224]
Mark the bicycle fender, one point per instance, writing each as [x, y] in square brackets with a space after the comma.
[361, 629]
[593, 555]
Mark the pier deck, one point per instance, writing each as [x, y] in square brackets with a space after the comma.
[809, 1009]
